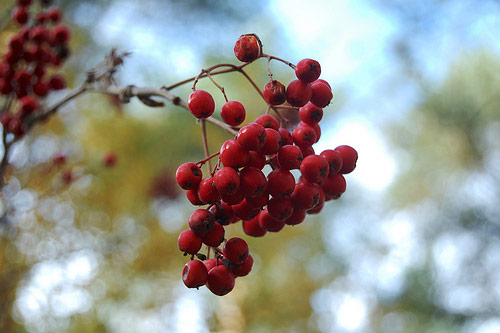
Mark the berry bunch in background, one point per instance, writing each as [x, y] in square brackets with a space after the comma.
[267, 176]
[28, 66]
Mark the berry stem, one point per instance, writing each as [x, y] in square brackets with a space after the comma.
[203, 161]
[271, 57]
[205, 143]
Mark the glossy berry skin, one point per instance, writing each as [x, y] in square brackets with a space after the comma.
[308, 70]
[274, 92]
[59, 35]
[207, 192]
[280, 183]
[194, 274]
[305, 196]
[258, 202]
[201, 222]
[222, 212]
[233, 199]
[306, 151]
[257, 160]
[235, 250]
[310, 114]
[267, 222]
[244, 268]
[40, 89]
[188, 242]
[290, 157]
[232, 154]
[214, 237]
[220, 280]
[252, 136]
[268, 121]
[253, 182]
[188, 176]
[298, 216]
[247, 48]
[315, 168]
[211, 263]
[298, 93]
[193, 197]
[321, 94]
[227, 181]
[285, 137]
[334, 160]
[349, 158]
[244, 211]
[201, 104]
[253, 228]
[233, 113]
[304, 135]
[334, 185]
[271, 143]
[280, 208]
[27, 105]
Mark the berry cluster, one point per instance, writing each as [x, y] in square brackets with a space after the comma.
[26, 69]
[238, 189]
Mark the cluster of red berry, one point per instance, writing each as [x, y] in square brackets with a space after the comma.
[40, 43]
[237, 189]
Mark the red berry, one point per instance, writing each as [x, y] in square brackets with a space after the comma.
[235, 250]
[334, 185]
[23, 3]
[67, 177]
[244, 211]
[57, 82]
[274, 92]
[305, 196]
[280, 183]
[308, 70]
[349, 158]
[54, 14]
[315, 168]
[201, 222]
[310, 114]
[222, 212]
[298, 93]
[233, 113]
[201, 104]
[227, 181]
[298, 216]
[306, 151]
[39, 34]
[244, 268]
[215, 236]
[40, 89]
[211, 263]
[188, 242]
[252, 136]
[247, 48]
[188, 176]
[285, 137]
[271, 143]
[290, 157]
[257, 160]
[304, 135]
[5, 87]
[280, 208]
[193, 197]
[27, 105]
[232, 154]
[334, 160]
[207, 192]
[321, 94]
[267, 222]
[253, 182]
[233, 199]
[258, 202]
[5, 119]
[253, 228]
[194, 274]
[268, 121]
[220, 280]
[20, 15]
[59, 34]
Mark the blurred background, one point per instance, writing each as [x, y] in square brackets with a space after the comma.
[412, 246]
